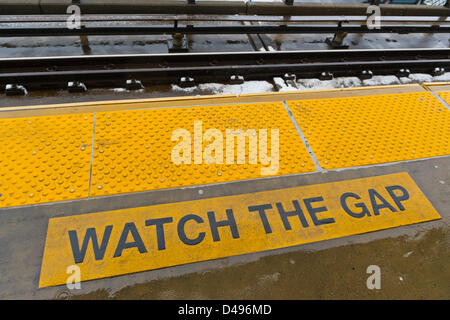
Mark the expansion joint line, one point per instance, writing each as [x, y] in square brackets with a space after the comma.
[92, 155]
[442, 101]
[304, 140]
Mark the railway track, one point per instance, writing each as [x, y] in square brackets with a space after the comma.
[136, 71]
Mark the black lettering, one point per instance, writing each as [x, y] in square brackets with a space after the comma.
[129, 227]
[261, 210]
[99, 252]
[297, 212]
[182, 232]
[159, 230]
[398, 199]
[361, 205]
[214, 225]
[314, 211]
[376, 206]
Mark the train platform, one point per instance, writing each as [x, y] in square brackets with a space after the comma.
[141, 191]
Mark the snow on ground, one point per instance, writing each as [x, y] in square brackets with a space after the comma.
[280, 85]
[120, 90]
[246, 87]
[421, 77]
[339, 82]
[349, 82]
[218, 88]
[381, 80]
[180, 89]
[444, 77]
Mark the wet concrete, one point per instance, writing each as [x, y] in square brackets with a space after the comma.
[414, 265]
[414, 259]
[411, 268]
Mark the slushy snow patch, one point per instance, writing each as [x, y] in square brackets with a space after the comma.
[444, 77]
[340, 82]
[178, 88]
[405, 80]
[246, 87]
[119, 90]
[347, 82]
[421, 77]
[315, 84]
[282, 85]
[381, 80]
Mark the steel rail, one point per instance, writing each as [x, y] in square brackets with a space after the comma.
[215, 58]
[312, 21]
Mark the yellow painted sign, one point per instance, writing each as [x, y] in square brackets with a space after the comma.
[120, 242]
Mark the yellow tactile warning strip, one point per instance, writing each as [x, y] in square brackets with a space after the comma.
[133, 149]
[445, 95]
[120, 242]
[357, 131]
[45, 159]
